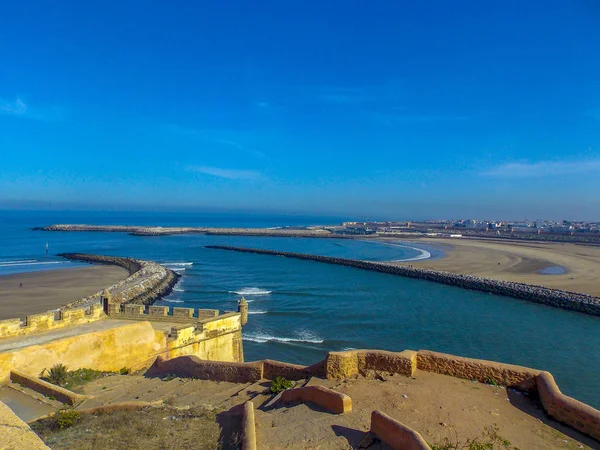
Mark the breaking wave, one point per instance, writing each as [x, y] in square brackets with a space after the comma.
[178, 264]
[263, 338]
[172, 301]
[18, 261]
[257, 312]
[251, 291]
[423, 254]
[35, 263]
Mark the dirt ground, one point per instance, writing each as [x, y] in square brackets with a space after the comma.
[165, 428]
[437, 406]
[207, 415]
[52, 289]
[519, 261]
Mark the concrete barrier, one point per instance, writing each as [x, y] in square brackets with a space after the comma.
[332, 401]
[48, 389]
[248, 427]
[395, 434]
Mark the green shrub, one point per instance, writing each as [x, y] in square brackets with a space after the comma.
[65, 418]
[124, 371]
[57, 374]
[280, 384]
[491, 381]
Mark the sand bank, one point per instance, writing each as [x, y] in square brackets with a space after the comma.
[52, 289]
[519, 262]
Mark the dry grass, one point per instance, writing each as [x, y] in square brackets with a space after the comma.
[151, 428]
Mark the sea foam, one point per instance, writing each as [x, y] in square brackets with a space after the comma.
[251, 291]
[31, 263]
[263, 338]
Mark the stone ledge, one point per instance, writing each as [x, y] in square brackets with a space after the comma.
[248, 427]
[48, 389]
[395, 434]
[477, 369]
[332, 401]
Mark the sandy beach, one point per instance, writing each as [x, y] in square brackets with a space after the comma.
[520, 262]
[51, 289]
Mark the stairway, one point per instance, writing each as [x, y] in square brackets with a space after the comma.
[27, 404]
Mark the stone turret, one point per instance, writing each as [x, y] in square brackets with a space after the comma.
[243, 308]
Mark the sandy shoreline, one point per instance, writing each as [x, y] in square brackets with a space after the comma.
[517, 261]
[51, 289]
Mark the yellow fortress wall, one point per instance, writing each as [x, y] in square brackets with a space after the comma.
[130, 344]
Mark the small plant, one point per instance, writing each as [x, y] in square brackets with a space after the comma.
[280, 384]
[124, 371]
[65, 418]
[491, 381]
[58, 374]
[51, 397]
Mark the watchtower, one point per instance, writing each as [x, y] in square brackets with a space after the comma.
[243, 309]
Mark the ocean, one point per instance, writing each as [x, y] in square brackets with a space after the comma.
[299, 309]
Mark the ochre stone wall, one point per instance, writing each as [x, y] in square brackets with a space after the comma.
[395, 434]
[477, 369]
[110, 350]
[567, 410]
[192, 366]
[346, 364]
[273, 369]
[332, 401]
[48, 321]
[134, 345]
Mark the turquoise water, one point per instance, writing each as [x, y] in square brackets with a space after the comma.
[301, 309]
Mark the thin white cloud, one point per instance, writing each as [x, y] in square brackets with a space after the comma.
[231, 174]
[18, 108]
[15, 108]
[543, 169]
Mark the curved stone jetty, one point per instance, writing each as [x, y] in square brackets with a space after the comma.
[316, 232]
[557, 298]
[147, 281]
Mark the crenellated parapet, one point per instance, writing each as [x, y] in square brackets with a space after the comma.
[131, 311]
[50, 321]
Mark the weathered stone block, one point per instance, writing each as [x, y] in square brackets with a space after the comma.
[133, 309]
[183, 312]
[204, 313]
[158, 310]
[73, 315]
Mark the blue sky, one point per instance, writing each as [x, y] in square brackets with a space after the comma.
[380, 109]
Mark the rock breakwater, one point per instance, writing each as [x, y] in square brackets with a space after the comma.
[573, 301]
[147, 281]
[162, 231]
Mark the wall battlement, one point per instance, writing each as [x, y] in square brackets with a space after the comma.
[50, 321]
[130, 311]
